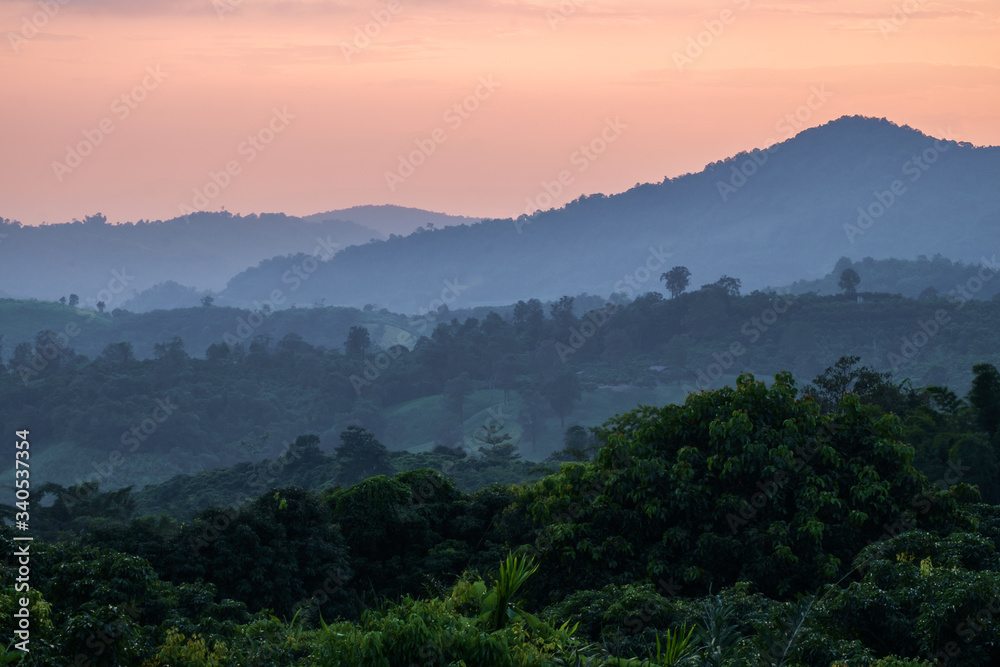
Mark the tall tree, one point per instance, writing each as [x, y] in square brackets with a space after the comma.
[676, 280]
[455, 392]
[562, 313]
[563, 392]
[985, 397]
[491, 435]
[849, 280]
[361, 456]
[358, 341]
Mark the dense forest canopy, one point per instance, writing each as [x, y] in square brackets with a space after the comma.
[755, 524]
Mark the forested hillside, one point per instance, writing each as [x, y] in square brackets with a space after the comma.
[781, 213]
[913, 278]
[417, 383]
[750, 525]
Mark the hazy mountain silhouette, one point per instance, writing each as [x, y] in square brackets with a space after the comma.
[768, 217]
[96, 260]
[389, 219]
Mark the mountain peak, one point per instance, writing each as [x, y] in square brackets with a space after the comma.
[867, 131]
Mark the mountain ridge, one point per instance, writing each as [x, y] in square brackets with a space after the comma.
[770, 216]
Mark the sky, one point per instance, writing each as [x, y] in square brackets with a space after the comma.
[147, 109]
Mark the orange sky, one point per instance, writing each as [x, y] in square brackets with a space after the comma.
[560, 71]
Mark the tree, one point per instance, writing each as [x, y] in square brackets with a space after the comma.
[849, 280]
[361, 456]
[207, 300]
[490, 434]
[529, 319]
[562, 313]
[274, 552]
[985, 397]
[532, 414]
[117, 355]
[455, 392]
[579, 445]
[563, 393]
[932, 293]
[62, 300]
[100, 306]
[218, 353]
[73, 300]
[871, 387]
[172, 350]
[676, 280]
[358, 341]
[747, 483]
[729, 285]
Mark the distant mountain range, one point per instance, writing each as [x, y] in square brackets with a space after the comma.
[169, 264]
[112, 263]
[855, 187]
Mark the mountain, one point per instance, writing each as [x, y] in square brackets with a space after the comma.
[111, 263]
[390, 219]
[855, 187]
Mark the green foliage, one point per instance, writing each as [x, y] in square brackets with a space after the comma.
[985, 397]
[745, 483]
[288, 375]
[922, 596]
[718, 637]
[499, 606]
[272, 553]
[360, 455]
[870, 386]
[818, 536]
[180, 651]
[675, 649]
